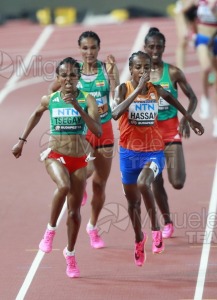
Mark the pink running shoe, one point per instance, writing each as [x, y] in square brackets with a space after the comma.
[72, 269]
[157, 242]
[139, 252]
[47, 241]
[95, 240]
[84, 200]
[168, 231]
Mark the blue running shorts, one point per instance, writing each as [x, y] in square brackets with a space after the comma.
[132, 163]
[204, 40]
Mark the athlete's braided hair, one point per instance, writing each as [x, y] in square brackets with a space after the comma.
[154, 31]
[138, 53]
[89, 34]
[71, 61]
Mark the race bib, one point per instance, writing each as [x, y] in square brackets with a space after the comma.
[102, 106]
[163, 104]
[143, 113]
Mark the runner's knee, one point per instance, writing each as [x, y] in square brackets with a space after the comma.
[178, 184]
[74, 215]
[134, 205]
[143, 186]
[63, 189]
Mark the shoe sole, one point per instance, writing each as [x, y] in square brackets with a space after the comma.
[158, 252]
[101, 247]
[168, 237]
[98, 247]
[44, 250]
[76, 276]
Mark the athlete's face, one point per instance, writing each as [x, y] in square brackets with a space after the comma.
[68, 77]
[141, 64]
[155, 48]
[89, 50]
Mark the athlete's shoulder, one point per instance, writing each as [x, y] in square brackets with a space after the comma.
[174, 72]
[168, 67]
[54, 97]
[45, 100]
[121, 90]
[126, 86]
[173, 68]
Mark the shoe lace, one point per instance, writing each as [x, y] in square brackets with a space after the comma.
[71, 262]
[157, 238]
[49, 236]
[94, 235]
[139, 248]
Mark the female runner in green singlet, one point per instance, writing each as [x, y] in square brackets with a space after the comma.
[172, 130]
[71, 112]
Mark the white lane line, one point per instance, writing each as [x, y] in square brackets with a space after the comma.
[35, 264]
[138, 44]
[207, 241]
[26, 82]
[10, 85]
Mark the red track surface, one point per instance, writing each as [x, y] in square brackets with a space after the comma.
[26, 190]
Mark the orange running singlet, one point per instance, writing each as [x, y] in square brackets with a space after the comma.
[138, 126]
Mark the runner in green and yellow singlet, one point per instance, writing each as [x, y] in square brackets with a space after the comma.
[71, 112]
[172, 130]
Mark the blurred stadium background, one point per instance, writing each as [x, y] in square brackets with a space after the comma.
[67, 12]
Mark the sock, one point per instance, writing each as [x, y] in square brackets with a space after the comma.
[155, 229]
[170, 222]
[70, 253]
[90, 226]
[50, 227]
